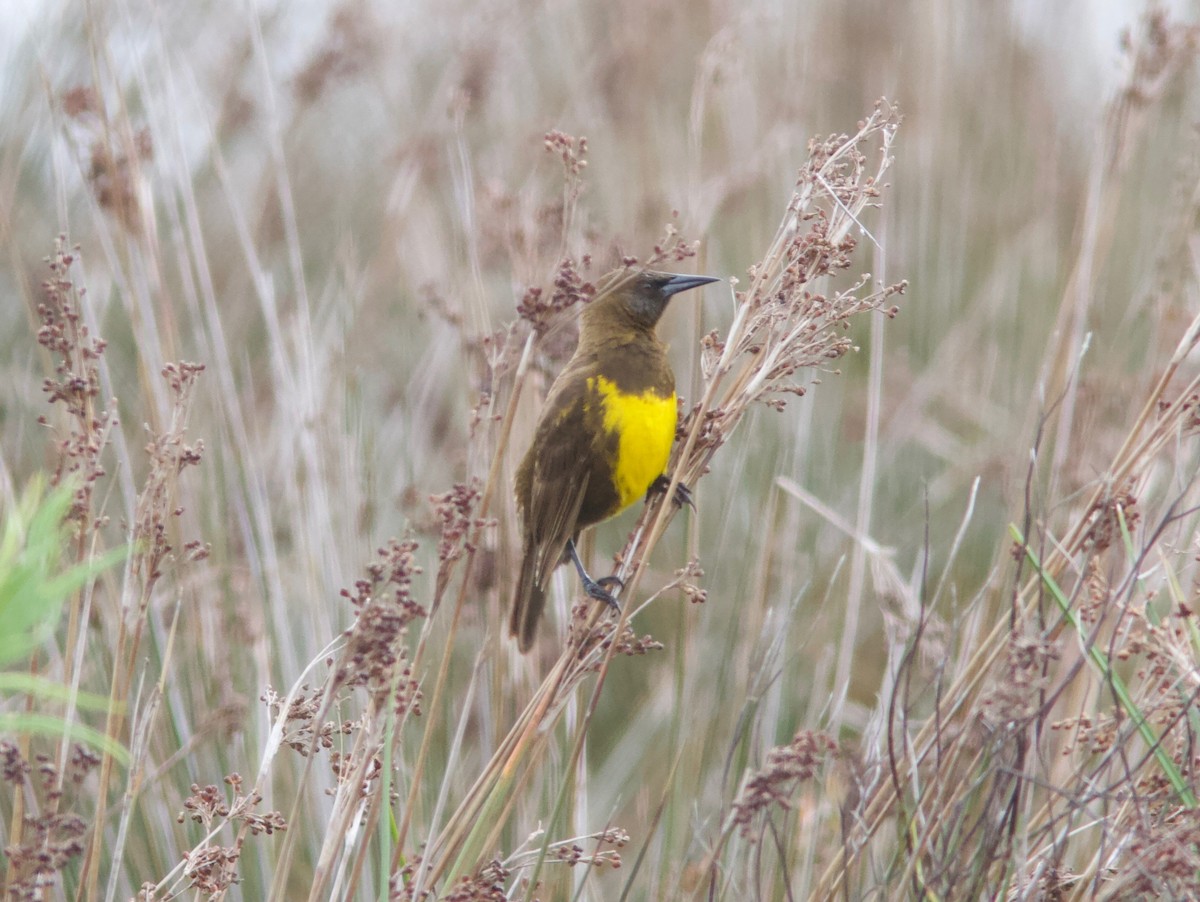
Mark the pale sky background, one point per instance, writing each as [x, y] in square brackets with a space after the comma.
[1084, 31]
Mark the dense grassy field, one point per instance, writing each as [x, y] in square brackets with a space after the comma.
[283, 288]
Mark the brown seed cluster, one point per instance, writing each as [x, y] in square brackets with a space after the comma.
[1106, 516]
[1164, 859]
[301, 719]
[1016, 695]
[207, 805]
[671, 248]
[573, 853]
[212, 868]
[75, 384]
[787, 766]
[169, 455]
[600, 636]
[687, 578]
[454, 510]
[51, 838]
[209, 869]
[571, 150]
[570, 288]
[344, 766]
[458, 532]
[51, 842]
[375, 656]
[487, 885]
[1190, 406]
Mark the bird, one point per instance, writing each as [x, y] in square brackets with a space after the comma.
[603, 438]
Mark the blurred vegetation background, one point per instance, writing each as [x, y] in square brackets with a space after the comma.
[336, 207]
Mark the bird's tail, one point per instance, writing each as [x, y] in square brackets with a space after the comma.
[529, 600]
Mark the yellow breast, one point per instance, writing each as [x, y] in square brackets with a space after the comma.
[645, 428]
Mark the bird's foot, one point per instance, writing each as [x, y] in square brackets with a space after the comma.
[683, 495]
[599, 589]
[595, 588]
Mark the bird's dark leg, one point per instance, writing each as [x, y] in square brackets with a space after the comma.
[597, 589]
[683, 495]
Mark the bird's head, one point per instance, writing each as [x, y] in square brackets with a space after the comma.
[638, 297]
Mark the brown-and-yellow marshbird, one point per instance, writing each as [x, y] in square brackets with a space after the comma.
[604, 436]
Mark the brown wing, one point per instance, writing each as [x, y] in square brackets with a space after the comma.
[551, 484]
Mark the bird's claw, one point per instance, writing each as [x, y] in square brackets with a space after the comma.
[682, 496]
[599, 590]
